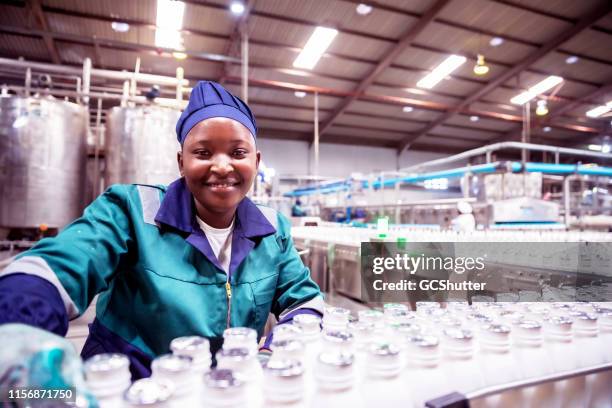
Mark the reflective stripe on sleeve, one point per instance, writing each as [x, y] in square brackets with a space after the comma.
[149, 199]
[37, 266]
[315, 303]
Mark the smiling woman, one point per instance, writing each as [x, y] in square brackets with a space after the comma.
[192, 258]
[219, 161]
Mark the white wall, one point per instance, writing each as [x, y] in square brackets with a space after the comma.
[335, 160]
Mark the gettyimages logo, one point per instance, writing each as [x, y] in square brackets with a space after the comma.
[486, 271]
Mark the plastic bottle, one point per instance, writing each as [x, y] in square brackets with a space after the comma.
[558, 338]
[335, 318]
[598, 385]
[287, 349]
[178, 370]
[586, 341]
[149, 393]
[195, 347]
[335, 379]
[497, 365]
[310, 336]
[458, 365]
[340, 341]
[283, 384]
[241, 337]
[532, 361]
[243, 364]
[224, 389]
[381, 384]
[374, 317]
[285, 332]
[108, 377]
[422, 375]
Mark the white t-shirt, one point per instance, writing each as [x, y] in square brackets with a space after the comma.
[220, 240]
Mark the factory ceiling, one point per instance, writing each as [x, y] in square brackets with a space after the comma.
[366, 80]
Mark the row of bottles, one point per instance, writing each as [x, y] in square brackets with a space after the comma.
[391, 358]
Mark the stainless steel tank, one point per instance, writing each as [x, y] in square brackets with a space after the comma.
[42, 161]
[141, 145]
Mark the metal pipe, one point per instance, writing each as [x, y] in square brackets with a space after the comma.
[96, 181]
[316, 134]
[245, 64]
[507, 145]
[86, 80]
[525, 134]
[180, 75]
[566, 199]
[125, 96]
[133, 79]
[100, 73]
[28, 82]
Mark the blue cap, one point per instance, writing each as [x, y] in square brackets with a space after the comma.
[210, 100]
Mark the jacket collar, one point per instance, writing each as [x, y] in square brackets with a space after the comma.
[178, 211]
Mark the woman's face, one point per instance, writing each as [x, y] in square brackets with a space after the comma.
[219, 161]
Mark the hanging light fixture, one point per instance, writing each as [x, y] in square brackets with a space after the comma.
[542, 107]
[481, 68]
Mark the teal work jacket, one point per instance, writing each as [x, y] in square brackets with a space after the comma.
[140, 248]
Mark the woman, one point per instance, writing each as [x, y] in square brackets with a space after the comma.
[192, 258]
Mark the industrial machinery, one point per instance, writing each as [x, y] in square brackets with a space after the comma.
[42, 161]
[141, 146]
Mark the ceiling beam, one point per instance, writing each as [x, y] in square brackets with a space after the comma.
[584, 23]
[394, 100]
[111, 44]
[40, 22]
[559, 111]
[199, 32]
[515, 133]
[405, 40]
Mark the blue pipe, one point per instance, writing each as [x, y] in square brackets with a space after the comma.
[548, 168]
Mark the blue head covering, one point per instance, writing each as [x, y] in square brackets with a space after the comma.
[210, 100]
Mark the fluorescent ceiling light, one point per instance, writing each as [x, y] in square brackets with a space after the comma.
[407, 109]
[363, 9]
[237, 8]
[474, 118]
[169, 22]
[537, 89]
[179, 55]
[496, 41]
[316, 45]
[441, 71]
[600, 110]
[572, 59]
[299, 94]
[594, 147]
[120, 27]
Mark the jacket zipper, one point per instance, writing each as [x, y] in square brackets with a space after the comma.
[228, 291]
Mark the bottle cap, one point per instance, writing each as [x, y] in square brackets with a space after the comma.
[286, 332]
[149, 392]
[585, 324]
[107, 368]
[383, 360]
[370, 316]
[558, 328]
[458, 342]
[224, 388]
[170, 364]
